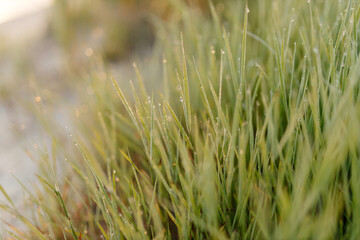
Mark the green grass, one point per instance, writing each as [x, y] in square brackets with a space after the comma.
[255, 133]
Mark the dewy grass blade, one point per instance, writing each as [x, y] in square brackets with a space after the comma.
[234, 77]
[243, 51]
[186, 87]
[180, 127]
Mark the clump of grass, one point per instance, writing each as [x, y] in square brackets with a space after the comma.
[255, 134]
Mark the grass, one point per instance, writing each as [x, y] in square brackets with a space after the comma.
[254, 134]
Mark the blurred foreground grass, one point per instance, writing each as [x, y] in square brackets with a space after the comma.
[253, 132]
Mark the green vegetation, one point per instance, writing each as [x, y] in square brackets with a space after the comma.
[254, 134]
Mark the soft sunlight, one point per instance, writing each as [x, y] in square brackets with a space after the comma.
[12, 9]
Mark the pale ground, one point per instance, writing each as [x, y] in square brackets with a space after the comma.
[21, 40]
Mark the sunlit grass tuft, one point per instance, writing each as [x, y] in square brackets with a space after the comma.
[254, 135]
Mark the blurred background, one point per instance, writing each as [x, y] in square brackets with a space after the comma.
[46, 50]
[23, 43]
[45, 46]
